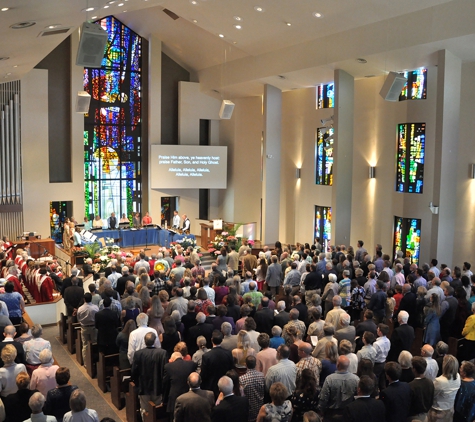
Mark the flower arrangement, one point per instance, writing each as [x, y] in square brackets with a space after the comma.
[183, 244]
[228, 239]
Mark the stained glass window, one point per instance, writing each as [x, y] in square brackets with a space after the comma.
[326, 96]
[324, 156]
[410, 157]
[416, 85]
[407, 237]
[112, 128]
[323, 224]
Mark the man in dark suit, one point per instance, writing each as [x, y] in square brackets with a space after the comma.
[106, 322]
[365, 408]
[148, 368]
[175, 380]
[122, 281]
[264, 318]
[196, 404]
[9, 332]
[232, 408]
[402, 337]
[215, 363]
[200, 329]
[448, 317]
[67, 282]
[301, 307]
[73, 296]
[283, 317]
[367, 324]
[189, 319]
[397, 396]
[408, 303]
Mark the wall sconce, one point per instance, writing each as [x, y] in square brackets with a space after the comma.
[372, 172]
[297, 172]
[472, 171]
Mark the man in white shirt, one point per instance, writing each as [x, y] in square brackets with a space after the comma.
[432, 366]
[434, 268]
[137, 337]
[176, 220]
[211, 293]
[382, 345]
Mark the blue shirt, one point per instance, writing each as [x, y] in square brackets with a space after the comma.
[275, 342]
[12, 301]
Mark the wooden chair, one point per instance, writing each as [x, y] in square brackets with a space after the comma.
[63, 328]
[132, 405]
[105, 369]
[157, 414]
[92, 356]
[119, 386]
[71, 335]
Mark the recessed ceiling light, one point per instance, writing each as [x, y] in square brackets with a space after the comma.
[88, 9]
[361, 60]
[317, 15]
[93, 17]
[238, 26]
[194, 2]
[15, 65]
[221, 36]
[259, 9]
[238, 18]
[194, 21]
[111, 2]
[120, 4]
[106, 7]
[22, 25]
[288, 23]
[4, 9]
[55, 25]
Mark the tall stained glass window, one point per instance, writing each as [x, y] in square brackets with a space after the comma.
[324, 156]
[410, 157]
[323, 224]
[326, 96]
[407, 237]
[416, 85]
[112, 129]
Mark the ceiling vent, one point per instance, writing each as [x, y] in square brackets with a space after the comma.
[57, 31]
[174, 16]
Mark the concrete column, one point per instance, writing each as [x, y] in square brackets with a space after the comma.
[446, 149]
[343, 158]
[271, 176]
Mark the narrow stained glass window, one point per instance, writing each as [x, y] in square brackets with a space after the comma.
[410, 157]
[407, 238]
[324, 157]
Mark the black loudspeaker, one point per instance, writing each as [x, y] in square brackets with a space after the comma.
[226, 110]
[393, 86]
[91, 45]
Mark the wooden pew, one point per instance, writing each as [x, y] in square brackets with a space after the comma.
[63, 328]
[132, 405]
[105, 369]
[71, 335]
[157, 414]
[92, 356]
[453, 346]
[390, 324]
[417, 344]
[119, 386]
[79, 348]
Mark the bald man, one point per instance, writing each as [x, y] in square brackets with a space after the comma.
[432, 366]
[196, 404]
[338, 390]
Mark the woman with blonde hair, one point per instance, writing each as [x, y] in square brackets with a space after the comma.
[293, 341]
[155, 314]
[329, 361]
[198, 355]
[163, 295]
[445, 390]
[243, 349]
[9, 371]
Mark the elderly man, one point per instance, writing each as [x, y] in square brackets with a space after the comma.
[307, 361]
[79, 412]
[231, 408]
[435, 289]
[346, 331]
[282, 317]
[148, 368]
[34, 346]
[249, 262]
[86, 315]
[328, 333]
[9, 333]
[36, 403]
[246, 282]
[338, 390]
[292, 278]
[274, 275]
[122, 281]
[333, 317]
[285, 371]
[294, 321]
[432, 367]
[254, 294]
[137, 337]
[196, 404]
[178, 303]
[401, 338]
[229, 340]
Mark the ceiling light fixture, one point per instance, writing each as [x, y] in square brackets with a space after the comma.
[55, 25]
[88, 9]
[238, 18]
[4, 9]
[221, 36]
[194, 2]
[194, 21]
[362, 61]
[94, 17]
[22, 25]
[288, 23]
[106, 7]
[317, 15]
[111, 2]
[238, 26]
[259, 9]
[120, 4]
[15, 66]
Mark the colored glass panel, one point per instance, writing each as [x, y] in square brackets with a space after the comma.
[324, 157]
[112, 128]
[410, 157]
[323, 220]
[326, 96]
[407, 237]
[416, 85]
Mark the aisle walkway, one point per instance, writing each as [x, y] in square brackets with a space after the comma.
[96, 399]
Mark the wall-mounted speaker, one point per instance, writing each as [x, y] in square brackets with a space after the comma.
[226, 110]
[393, 86]
[91, 45]
[82, 102]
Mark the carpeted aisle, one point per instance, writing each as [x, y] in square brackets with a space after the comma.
[96, 399]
